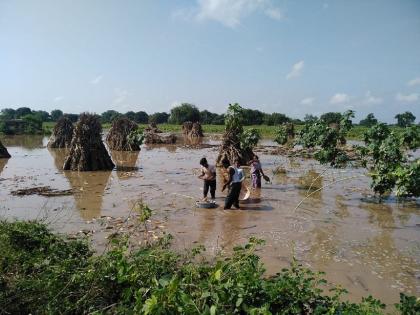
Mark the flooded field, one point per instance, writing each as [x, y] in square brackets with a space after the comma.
[367, 246]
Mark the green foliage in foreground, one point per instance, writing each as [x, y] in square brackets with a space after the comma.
[41, 273]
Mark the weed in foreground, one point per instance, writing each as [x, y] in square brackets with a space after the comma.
[42, 272]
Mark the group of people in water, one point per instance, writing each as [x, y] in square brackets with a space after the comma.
[234, 181]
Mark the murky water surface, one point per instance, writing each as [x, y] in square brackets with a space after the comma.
[366, 246]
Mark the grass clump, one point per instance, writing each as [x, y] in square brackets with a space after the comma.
[41, 272]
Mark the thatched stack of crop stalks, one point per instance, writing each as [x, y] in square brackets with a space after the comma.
[231, 149]
[192, 130]
[152, 128]
[159, 138]
[87, 151]
[117, 137]
[153, 135]
[62, 134]
[186, 127]
[4, 154]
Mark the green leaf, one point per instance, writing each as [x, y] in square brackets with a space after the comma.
[218, 274]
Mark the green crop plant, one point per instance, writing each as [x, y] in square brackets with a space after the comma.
[384, 153]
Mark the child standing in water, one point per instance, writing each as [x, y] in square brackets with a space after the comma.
[208, 175]
[256, 172]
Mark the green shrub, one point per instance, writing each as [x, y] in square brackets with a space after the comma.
[41, 273]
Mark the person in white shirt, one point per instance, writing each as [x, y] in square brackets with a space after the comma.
[208, 175]
[236, 176]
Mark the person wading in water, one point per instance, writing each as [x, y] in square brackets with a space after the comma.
[208, 175]
[256, 172]
[236, 176]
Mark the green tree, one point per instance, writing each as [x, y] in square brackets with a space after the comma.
[109, 116]
[159, 118]
[276, 119]
[42, 115]
[331, 118]
[141, 117]
[208, 118]
[73, 117]
[405, 119]
[33, 124]
[310, 118]
[184, 112]
[22, 111]
[56, 114]
[130, 115]
[8, 113]
[252, 117]
[369, 121]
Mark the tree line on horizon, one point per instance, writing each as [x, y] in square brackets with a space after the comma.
[190, 112]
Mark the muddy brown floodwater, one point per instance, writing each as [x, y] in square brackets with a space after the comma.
[367, 246]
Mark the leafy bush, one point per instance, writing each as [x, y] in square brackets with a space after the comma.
[234, 119]
[281, 135]
[33, 124]
[250, 138]
[328, 137]
[136, 137]
[384, 155]
[41, 272]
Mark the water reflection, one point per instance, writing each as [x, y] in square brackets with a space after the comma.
[169, 147]
[3, 163]
[381, 252]
[90, 188]
[29, 142]
[59, 156]
[192, 141]
[125, 161]
[308, 183]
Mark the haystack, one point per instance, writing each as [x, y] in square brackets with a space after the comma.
[159, 138]
[62, 134]
[4, 154]
[153, 135]
[87, 151]
[117, 137]
[231, 149]
[152, 128]
[192, 130]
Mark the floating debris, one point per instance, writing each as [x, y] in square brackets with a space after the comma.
[45, 191]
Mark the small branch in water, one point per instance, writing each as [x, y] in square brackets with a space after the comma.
[327, 185]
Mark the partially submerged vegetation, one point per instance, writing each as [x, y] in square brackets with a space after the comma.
[124, 135]
[87, 151]
[385, 153]
[192, 129]
[62, 134]
[41, 272]
[237, 143]
[153, 135]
